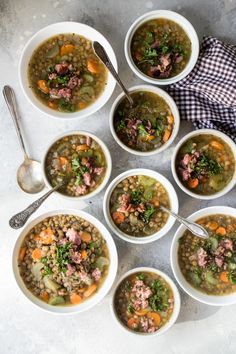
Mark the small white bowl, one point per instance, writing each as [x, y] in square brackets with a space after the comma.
[99, 295]
[174, 205]
[106, 154]
[213, 300]
[169, 100]
[53, 30]
[188, 28]
[218, 134]
[177, 302]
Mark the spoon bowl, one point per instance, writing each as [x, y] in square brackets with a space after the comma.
[29, 176]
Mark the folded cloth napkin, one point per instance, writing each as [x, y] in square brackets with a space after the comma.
[207, 96]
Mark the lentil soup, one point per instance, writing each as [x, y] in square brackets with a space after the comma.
[63, 260]
[65, 74]
[210, 265]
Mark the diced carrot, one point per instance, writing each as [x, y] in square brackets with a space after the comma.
[36, 254]
[82, 105]
[215, 144]
[66, 49]
[37, 237]
[85, 236]
[142, 312]
[47, 236]
[22, 253]
[82, 290]
[82, 147]
[193, 182]
[84, 160]
[42, 85]
[150, 137]
[84, 254]
[52, 105]
[75, 298]
[170, 119]
[166, 135]
[224, 277]
[92, 66]
[155, 316]
[132, 323]
[63, 160]
[91, 289]
[118, 217]
[155, 201]
[44, 296]
[212, 225]
[221, 231]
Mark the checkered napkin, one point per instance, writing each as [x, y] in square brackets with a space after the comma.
[207, 96]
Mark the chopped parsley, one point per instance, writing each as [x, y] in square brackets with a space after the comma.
[121, 125]
[140, 276]
[130, 308]
[146, 216]
[232, 276]
[136, 197]
[206, 165]
[46, 271]
[63, 256]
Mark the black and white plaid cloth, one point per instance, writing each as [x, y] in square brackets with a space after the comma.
[207, 96]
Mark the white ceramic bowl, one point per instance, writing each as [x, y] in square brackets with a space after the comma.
[188, 28]
[176, 309]
[218, 134]
[188, 288]
[169, 100]
[174, 205]
[108, 169]
[53, 30]
[99, 295]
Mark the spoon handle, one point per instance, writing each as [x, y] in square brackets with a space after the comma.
[101, 53]
[10, 99]
[19, 220]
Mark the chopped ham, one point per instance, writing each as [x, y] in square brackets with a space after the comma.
[96, 274]
[155, 45]
[201, 257]
[73, 236]
[98, 170]
[227, 244]
[76, 257]
[52, 76]
[60, 93]
[147, 325]
[186, 160]
[81, 190]
[88, 140]
[62, 68]
[70, 270]
[87, 178]
[73, 82]
[141, 293]
[219, 260]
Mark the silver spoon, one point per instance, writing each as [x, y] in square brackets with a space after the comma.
[29, 176]
[19, 220]
[101, 53]
[196, 229]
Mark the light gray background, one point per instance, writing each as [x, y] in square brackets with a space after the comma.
[24, 328]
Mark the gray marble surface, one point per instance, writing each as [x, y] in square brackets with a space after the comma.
[25, 329]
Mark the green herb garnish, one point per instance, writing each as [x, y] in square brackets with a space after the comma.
[136, 197]
[43, 260]
[156, 285]
[46, 271]
[207, 165]
[130, 308]
[232, 276]
[146, 216]
[121, 125]
[140, 276]
[63, 255]
[142, 130]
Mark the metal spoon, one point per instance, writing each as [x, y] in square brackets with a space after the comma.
[101, 53]
[29, 176]
[19, 220]
[196, 229]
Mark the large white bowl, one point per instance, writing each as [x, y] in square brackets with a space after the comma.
[53, 30]
[99, 295]
[190, 290]
[107, 157]
[169, 100]
[188, 28]
[176, 309]
[218, 134]
[174, 205]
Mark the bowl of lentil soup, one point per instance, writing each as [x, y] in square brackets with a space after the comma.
[61, 75]
[65, 261]
[150, 126]
[161, 47]
[82, 159]
[145, 302]
[204, 164]
[205, 268]
[131, 205]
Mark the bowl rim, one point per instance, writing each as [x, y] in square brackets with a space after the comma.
[180, 20]
[27, 52]
[177, 301]
[106, 154]
[172, 105]
[202, 297]
[173, 201]
[103, 290]
[218, 134]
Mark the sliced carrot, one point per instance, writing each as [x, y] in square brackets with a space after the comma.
[36, 254]
[155, 316]
[81, 290]
[52, 105]
[212, 225]
[37, 237]
[92, 66]
[118, 217]
[166, 135]
[150, 137]
[132, 323]
[75, 298]
[82, 105]
[42, 85]
[85, 236]
[84, 254]
[215, 144]
[91, 289]
[82, 147]
[66, 49]
[142, 312]
[221, 231]
[193, 182]
[224, 277]
[22, 253]
[44, 296]
[155, 201]
[63, 160]
[47, 236]
[170, 119]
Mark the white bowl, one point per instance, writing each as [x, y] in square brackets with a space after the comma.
[176, 309]
[169, 100]
[106, 154]
[53, 30]
[218, 134]
[174, 205]
[188, 28]
[97, 297]
[187, 287]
